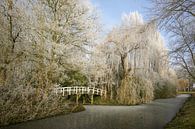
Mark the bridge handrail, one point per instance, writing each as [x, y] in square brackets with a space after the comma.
[80, 90]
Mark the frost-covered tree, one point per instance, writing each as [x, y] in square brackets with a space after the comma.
[41, 41]
[125, 41]
[137, 58]
[126, 38]
[11, 19]
[68, 29]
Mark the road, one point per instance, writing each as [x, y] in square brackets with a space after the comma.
[146, 116]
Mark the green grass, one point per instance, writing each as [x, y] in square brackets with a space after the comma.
[185, 119]
[186, 92]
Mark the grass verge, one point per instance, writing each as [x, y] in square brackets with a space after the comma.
[185, 119]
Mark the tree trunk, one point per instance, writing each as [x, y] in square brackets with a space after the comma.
[125, 65]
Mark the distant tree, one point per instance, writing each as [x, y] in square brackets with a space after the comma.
[183, 85]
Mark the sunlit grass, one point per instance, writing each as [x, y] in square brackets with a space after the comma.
[186, 92]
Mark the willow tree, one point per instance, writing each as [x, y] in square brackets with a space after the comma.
[140, 60]
[125, 41]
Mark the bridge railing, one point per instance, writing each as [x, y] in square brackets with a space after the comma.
[79, 90]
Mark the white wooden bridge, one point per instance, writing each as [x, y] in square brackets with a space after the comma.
[78, 90]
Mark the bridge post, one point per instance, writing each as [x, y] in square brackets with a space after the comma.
[77, 99]
[76, 89]
[83, 99]
[92, 99]
[105, 94]
[69, 91]
[93, 90]
[63, 92]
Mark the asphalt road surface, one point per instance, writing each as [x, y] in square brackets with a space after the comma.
[154, 115]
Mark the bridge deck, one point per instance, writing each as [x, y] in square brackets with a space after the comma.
[80, 90]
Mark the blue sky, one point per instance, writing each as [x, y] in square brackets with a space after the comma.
[112, 10]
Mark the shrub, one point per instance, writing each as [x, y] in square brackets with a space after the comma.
[164, 88]
[134, 90]
[24, 103]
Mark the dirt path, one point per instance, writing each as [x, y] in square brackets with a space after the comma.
[147, 116]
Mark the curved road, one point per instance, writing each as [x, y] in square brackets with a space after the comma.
[147, 116]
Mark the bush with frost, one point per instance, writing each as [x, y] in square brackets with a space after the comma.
[135, 90]
[22, 103]
[164, 88]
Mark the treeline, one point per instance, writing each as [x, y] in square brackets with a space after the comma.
[48, 42]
